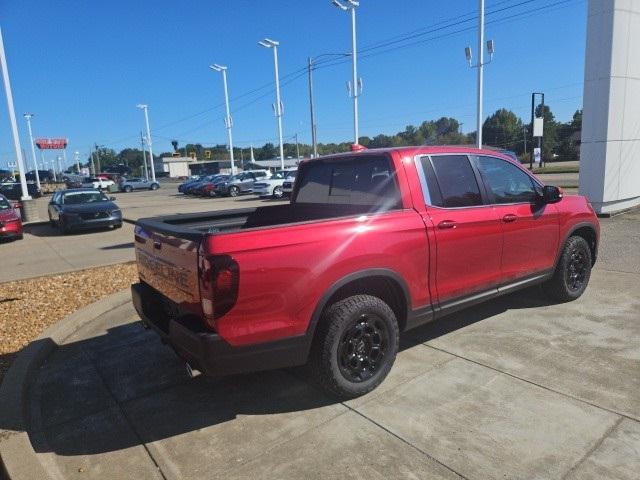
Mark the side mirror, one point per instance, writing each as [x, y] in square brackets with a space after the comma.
[113, 199]
[551, 194]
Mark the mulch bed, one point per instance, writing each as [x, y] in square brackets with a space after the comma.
[28, 307]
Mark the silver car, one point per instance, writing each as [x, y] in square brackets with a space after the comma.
[131, 184]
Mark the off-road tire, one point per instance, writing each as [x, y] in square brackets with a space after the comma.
[336, 321]
[559, 287]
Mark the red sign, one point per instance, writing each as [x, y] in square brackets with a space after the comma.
[51, 143]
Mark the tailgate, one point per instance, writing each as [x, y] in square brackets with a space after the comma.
[168, 262]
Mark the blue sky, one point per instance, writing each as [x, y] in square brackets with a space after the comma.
[82, 66]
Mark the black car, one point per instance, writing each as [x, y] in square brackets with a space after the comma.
[13, 190]
[83, 208]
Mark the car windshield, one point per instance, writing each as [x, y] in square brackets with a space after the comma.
[279, 175]
[76, 198]
[4, 205]
[291, 175]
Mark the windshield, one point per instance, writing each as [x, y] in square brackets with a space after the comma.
[291, 175]
[4, 205]
[76, 198]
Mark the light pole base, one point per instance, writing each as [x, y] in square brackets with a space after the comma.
[29, 211]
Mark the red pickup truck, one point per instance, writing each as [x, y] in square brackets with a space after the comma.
[372, 243]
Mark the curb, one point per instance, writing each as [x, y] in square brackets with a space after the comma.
[17, 457]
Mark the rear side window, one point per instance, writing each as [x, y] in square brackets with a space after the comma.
[456, 181]
[506, 182]
[369, 181]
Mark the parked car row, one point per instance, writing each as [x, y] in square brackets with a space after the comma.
[258, 182]
[13, 190]
[224, 185]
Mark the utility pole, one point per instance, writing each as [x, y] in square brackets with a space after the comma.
[144, 157]
[93, 163]
[12, 120]
[146, 119]
[297, 148]
[97, 160]
[28, 117]
[524, 137]
[314, 139]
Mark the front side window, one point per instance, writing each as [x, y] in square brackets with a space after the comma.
[456, 181]
[4, 205]
[506, 182]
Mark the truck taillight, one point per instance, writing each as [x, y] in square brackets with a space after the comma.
[219, 286]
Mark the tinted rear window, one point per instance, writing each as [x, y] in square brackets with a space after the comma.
[369, 181]
[457, 182]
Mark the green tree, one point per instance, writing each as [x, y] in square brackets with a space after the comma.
[503, 129]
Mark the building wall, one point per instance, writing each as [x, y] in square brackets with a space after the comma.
[610, 150]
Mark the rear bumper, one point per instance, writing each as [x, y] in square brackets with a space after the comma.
[206, 350]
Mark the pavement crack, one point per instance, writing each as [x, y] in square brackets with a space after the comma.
[406, 442]
[595, 446]
[531, 382]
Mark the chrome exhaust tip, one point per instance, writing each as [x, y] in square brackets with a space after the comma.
[192, 372]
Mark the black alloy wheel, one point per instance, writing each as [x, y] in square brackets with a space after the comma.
[362, 348]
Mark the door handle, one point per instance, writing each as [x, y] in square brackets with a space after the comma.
[447, 224]
[509, 217]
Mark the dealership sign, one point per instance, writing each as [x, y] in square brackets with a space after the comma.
[51, 143]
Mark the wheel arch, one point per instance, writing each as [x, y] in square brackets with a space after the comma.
[383, 283]
[585, 230]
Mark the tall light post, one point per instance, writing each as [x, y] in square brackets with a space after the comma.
[76, 155]
[28, 117]
[480, 66]
[146, 120]
[277, 108]
[354, 86]
[228, 121]
[12, 119]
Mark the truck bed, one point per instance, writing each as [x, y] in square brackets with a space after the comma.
[194, 226]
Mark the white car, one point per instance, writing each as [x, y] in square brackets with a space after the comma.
[287, 185]
[272, 187]
[98, 183]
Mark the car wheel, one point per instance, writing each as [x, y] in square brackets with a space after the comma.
[354, 347]
[572, 273]
[277, 192]
[154, 186]
[128, 189]
[51, 222]
[212, 194]
[234, 191]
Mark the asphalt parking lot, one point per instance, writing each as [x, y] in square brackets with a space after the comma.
[515, 388]
[43, 251]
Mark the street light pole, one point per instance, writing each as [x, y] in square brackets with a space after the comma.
[228, 121]
[146, 119]
[273, 44]
[480, 66]
[355, 87]
[144, 157]
[314, 139]
[76, 155]
[28, 117]
[12, 119]
[480, 72]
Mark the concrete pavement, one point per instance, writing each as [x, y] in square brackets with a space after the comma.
[514, 388]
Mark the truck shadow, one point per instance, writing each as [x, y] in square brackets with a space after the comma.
[123, 389]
